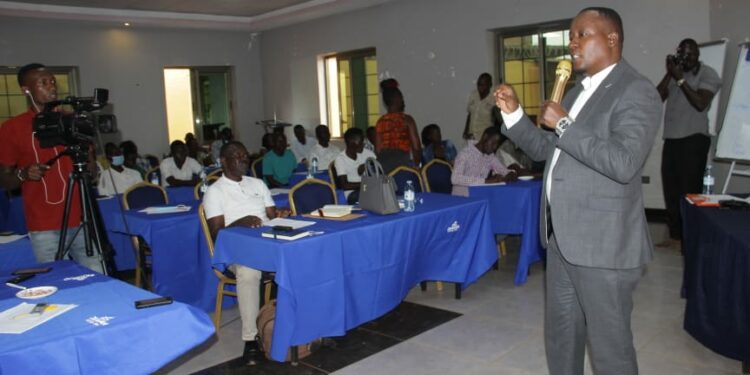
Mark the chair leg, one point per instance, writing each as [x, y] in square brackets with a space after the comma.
[439, 286]
[423, 285]
[458, 290]
[503, 249]
[217, 309]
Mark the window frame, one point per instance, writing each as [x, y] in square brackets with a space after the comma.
[70, 71]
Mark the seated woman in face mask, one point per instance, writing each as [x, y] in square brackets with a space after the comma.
[117, 178]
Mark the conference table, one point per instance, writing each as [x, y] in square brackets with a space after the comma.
[514, 209]
[350, 272]
[716, 245]
[104, 333]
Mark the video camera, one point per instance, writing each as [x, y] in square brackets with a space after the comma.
[73, 128]
[677, 59]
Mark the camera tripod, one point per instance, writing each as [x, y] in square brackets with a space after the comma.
[95, 237]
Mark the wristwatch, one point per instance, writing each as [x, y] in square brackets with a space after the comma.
[19, 174]
[680, 82]
[562, 125]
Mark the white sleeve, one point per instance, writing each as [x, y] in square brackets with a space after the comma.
[195, 166]
[512, 118]
[339, 165]
[103, 185]
[166, 172]
[212, 202]
[267, 198]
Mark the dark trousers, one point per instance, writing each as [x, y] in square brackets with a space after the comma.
[683, 162]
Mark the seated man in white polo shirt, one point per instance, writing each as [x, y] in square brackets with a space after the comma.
[117, 178]
[238, 200]
[350, 164]
[180, 169]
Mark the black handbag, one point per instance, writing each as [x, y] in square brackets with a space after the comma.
[377, 192]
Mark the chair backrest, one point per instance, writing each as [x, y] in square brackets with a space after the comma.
[402, 174]
[309, 195]
[153, 161]
[332, 175]
[144, 194]
[151, 172]
[216, 172]
[437, 176]
[197, 192]
[206, 231]
[257, 168]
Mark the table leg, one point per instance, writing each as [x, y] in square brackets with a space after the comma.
[746, 367]
[458, 290]
[295, 355]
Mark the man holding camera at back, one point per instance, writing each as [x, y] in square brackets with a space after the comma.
[687, 87]
[22, 164]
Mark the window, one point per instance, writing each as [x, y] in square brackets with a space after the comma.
[13, 102]
[528, 57]
[349, 90]
[198, 101]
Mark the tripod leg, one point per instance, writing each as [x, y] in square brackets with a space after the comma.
[61, 248]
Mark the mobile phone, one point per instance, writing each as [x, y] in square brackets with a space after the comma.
[144, 303]
[39, 308]
[31, 271]
[20, 279]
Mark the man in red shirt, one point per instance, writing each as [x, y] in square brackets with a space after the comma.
[22, 164]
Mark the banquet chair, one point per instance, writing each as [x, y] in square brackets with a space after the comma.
[437, 176]
[142, 195]
[257, 168]
[227, 277]
[216, 172]
[402, 174]
[309, 195]
[151, 172]
[332, 175]
[197, 193]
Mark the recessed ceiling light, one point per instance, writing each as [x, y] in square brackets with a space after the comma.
[127, 24]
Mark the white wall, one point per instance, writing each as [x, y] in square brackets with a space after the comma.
[729, 20]
[129, 62]
[436, 49]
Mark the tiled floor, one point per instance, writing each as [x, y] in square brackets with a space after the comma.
[500, 331]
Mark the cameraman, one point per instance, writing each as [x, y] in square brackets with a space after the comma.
[43, 187]
[687, 87]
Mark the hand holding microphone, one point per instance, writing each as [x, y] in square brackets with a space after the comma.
[551, 111]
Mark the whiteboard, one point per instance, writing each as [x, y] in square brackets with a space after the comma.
[734, 139]
[712, 54]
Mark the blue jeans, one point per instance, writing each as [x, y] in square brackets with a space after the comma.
[45, 245]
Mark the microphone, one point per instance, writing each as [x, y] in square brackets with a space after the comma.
[562, 74]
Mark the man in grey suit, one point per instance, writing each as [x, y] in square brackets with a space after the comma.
[593, 222]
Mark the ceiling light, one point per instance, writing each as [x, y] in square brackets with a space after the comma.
[126, 24]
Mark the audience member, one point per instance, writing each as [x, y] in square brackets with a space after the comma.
[323, 150]
[480, 114]
[396, 138]
[477, 164]
[301, 144]
[236, 200]
[371, 134]
[179, 169]
[196, 152]
[266, 143]
[279, 164]
[688, 88]
[117, 178]
[133, 160]
[225, 136]
[23, 165]
[435, 147]
[350, 164]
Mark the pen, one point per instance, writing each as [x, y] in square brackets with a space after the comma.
[16, 286]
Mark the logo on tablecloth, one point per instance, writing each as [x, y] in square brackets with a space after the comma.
[79, 278]
[99, 321]
[454, 227]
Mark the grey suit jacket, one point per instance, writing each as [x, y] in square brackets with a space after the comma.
[597, 199]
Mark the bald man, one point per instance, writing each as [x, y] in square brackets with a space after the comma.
[593, 222]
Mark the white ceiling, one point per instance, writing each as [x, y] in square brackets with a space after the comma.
[250, 15]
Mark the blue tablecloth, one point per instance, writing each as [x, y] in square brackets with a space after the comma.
[132, 341]
[358, 270]
[716, 243]
[15, 220]
[514, 209]
[16, 254]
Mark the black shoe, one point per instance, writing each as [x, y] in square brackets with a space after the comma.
[252, 354]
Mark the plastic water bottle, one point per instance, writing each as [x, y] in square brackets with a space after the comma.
[204, 185]
[409, 197]
[154, 178]
[708, 181]
[314, 164]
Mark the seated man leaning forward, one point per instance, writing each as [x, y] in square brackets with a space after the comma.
[350, 164]
[477, 164]
[279, 164]
[236, 200]
[180, 169]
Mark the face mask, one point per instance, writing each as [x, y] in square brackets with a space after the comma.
[118, 160]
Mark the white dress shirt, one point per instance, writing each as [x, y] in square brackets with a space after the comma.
[590, 84]
[169, 169]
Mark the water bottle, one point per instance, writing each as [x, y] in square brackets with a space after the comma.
[204, 185]
[708, 181]
[314, 165]
[154, 178]
[409, 197]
